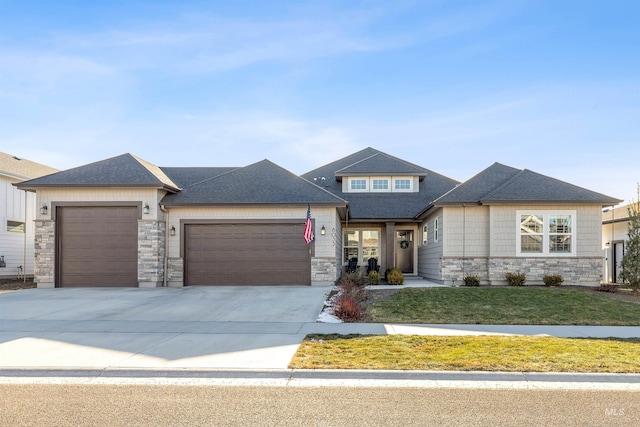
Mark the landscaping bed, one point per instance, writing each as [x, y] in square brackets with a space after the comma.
[7, 285]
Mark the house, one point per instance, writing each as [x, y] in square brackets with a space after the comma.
[615, 226]
[17, 212]
[125, 222]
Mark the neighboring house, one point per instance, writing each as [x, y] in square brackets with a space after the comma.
[17, 212]
[615, 227]
[125, 222]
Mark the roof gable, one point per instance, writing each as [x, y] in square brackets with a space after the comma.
[504, 184]
[381, 164]
[18, 168]
[125, 170]
[261, 182]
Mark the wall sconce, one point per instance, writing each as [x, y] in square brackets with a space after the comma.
[323, 231]
[44, 209]
[172, 231]
[145, 209]
[607, 244]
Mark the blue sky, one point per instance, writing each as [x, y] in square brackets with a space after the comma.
[552, 86]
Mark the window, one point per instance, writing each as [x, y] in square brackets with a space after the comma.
[358, 184]
[380, 184]
[425, 235]
[15, 226]
[436, 230]
[361, 244]
[402, 184]
[546, 233]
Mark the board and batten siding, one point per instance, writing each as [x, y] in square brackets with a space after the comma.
[12, 244]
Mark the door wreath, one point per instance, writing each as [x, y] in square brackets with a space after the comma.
[404, 244]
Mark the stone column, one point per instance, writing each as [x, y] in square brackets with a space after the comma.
[44, 253]
[151, 236]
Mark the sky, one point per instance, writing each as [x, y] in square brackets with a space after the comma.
[451, 85]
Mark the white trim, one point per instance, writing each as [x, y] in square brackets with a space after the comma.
[545, 214]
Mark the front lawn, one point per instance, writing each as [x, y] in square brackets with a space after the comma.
[504, 305]
[468, 353]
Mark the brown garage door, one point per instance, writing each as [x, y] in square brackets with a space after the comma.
[246, 254]
[97, 246]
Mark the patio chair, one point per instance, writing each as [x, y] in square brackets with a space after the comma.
[372, 265]
[353, 265]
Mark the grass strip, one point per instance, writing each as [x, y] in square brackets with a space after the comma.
[468, 353]
[509, 306]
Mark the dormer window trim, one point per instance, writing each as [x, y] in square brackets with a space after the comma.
[381, 184]
[358, 185]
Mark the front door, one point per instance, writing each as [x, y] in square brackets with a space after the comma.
[404, 251]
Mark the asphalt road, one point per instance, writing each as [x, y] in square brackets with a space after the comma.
[144, 405]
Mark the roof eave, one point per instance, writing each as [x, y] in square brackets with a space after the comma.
[602, 203]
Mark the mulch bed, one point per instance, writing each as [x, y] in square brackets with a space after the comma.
[7, 285]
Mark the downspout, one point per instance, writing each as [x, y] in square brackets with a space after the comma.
[464, 238]
[24, 249]
[165, 263]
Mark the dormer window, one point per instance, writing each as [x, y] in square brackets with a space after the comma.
[358, 184]
[402, 184]
[380, 184]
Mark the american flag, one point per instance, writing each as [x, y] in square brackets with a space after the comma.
[308, 230]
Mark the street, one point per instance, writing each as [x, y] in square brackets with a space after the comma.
[172, 405]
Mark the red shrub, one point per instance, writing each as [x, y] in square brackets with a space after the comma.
[347, 309]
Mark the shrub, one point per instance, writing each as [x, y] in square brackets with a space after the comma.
[471, 280]
[552, 280]
[347, 309]
[395, 277]
[352, 280]
[516, 279]
[374, 277]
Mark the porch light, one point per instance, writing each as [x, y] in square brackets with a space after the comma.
[323, 231]
[145, 209]
[44, 209]
[172, 231]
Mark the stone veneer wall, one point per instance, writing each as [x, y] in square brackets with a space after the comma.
[175, 272]
[585, 271]
[45, 253]
[323, 270]
[151, 235]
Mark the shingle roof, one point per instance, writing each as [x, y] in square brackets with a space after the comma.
[186, 176]
[503, 184]
[381, 206]
[18, 168]
[125, 170]
[384, 164]
[261, 182]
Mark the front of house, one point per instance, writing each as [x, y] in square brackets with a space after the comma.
[125, 222]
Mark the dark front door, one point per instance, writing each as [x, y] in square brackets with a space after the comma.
[404, 250]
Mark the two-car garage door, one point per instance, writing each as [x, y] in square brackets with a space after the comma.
[246, 254]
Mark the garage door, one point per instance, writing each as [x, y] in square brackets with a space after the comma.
[246, 254]
[97, 246]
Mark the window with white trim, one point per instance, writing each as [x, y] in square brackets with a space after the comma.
[358, 184]
[425, 235]
[15, 226]
[402, 184]
[380, 184]
[436, 230]
[546, 233]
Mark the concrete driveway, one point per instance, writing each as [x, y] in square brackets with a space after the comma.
[191, 327]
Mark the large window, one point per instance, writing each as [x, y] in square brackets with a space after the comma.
[546, 233]
[361, 244]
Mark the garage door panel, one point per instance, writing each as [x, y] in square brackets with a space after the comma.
[98, 246]
[246, 254]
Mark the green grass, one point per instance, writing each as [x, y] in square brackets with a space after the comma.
[480, 353]
[504, 305]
